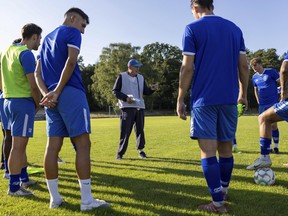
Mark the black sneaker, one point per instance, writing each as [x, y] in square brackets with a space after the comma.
[271, 151]
[119, 157]
[276, 150]
[142, 155]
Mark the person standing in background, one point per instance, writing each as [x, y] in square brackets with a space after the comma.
[129, 89]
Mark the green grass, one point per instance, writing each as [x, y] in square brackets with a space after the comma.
[169, 183]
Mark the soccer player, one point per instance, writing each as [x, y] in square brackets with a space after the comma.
[67, 113]
[266, 81]
[278, 112]
[7, 138]
[213, 53]
[21, 102]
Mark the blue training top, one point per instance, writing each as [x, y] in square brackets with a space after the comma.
[54, 54]
[266, 84]
[216, 44]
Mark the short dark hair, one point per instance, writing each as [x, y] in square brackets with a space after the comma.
[16, 41]
[30, 29]
[78, 11]
[203, 3]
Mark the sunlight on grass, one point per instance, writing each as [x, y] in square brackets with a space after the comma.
[169, 182]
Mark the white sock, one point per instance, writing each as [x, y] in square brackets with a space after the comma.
[225, 190]
[275, 145]
[85, 188]
[265, 157]
[218, 204]
[52, 185]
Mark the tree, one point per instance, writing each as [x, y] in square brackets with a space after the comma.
[162, 63]
[113, 60]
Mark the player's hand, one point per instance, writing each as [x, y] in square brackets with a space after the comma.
[244, 102]
[181, 110]
[154, 87]
[130, 100]
[50, 100]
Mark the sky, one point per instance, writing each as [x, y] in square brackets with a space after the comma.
[141, 22]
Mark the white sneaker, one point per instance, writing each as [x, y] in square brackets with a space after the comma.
[96, 203]
[28, 184]
[6, 175]
[21, 192]
[260, 163]
[56, 204]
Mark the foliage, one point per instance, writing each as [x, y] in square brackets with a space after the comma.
[113, 61]
[170, 182]
[161, 64]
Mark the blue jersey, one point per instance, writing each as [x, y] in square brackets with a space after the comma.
[266, 84]
[216, 44]
[54, 54]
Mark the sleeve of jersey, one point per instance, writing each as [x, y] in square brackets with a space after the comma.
[74, 38]
[276, 75]
[253, 81]
[188, 42]
[242, 45]
[27, 61]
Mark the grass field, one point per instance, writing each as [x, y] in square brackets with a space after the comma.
[169, 183]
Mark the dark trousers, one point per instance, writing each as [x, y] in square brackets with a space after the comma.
[131, 117]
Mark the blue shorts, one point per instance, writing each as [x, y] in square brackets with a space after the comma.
[4, 120]
[20, 113]
[262, 108]
[281, 109]
[214, 122]
[71, 116]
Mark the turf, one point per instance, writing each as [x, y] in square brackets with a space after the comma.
[169, 183]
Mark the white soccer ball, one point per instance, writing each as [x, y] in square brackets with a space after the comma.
[264, 176]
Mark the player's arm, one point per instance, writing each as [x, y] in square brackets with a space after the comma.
[27, 60]
[65, 75]
[256, 94]
[38, 78]
[34, 90]
[284, 80]
[185, 78]
[243, 79]
[41, 85]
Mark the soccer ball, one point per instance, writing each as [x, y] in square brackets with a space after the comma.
[264, 176]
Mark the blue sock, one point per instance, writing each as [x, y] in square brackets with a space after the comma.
[226, 168]
[14, 182]
[211, 172]
[275, 135]
[6, 166]
[265, 144]
[24, 175]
